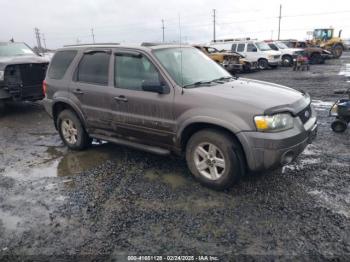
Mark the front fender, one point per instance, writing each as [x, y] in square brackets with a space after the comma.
[227, 120]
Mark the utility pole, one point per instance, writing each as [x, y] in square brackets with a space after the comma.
[93, 35]
[279, 23]
[214, 25]
[44, 39]
[37, 36]
[163, 28]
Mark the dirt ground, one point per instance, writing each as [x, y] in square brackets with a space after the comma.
[111, 201]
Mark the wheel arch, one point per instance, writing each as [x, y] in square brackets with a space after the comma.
[192, 128]
[64, 104]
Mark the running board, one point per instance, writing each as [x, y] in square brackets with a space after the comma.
[151, 149]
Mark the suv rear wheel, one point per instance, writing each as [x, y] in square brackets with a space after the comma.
[215, 159]
[72, 131]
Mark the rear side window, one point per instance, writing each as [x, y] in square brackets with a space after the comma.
[234, 46]
[240, 47]
[60, 62]
[93, 68]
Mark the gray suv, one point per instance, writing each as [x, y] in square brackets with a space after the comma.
[174, 99]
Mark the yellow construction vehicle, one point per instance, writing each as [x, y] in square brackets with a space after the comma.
[325, 39]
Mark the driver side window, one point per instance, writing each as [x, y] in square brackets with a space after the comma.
[131, 71]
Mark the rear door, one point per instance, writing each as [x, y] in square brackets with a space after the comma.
[144, 116]
[92, 87]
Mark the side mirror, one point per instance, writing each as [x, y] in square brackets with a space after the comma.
[153, 86]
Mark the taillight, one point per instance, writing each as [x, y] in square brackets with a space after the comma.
[44, 87]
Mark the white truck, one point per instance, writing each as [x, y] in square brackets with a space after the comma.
[288, 54]
[251, 49]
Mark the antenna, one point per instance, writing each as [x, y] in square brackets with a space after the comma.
[180, 39]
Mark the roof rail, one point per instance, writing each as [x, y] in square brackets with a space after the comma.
[155, 44]
[97, 44]
[232, 39]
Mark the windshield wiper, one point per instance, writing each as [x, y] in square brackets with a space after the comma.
[225, 78]
[199, 83]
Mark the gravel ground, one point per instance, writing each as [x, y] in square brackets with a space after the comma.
[111, 201]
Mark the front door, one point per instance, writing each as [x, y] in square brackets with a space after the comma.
[144, 116]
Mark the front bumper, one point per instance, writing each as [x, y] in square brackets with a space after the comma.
[271, 150]
[274, 62]
[233, 67]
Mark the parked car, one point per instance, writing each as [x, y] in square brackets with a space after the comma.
[174, 99]
[232, 61]
[251, 49]
[228, 60]
[22, 72]
[249, 65]
[288, 54]
[316, 55]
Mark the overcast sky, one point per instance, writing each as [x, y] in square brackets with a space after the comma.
[68, 21]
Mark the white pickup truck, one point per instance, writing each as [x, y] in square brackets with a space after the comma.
[252, 49]
[287, 53]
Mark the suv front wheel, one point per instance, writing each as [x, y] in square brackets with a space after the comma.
[72, 131]
[215, 159]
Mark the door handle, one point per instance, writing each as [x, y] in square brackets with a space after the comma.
[121, 98]
[78, 92]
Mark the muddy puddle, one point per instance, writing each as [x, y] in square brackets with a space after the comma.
[58, 161]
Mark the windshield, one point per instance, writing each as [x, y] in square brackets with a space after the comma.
[14, 49]
[263, 46]
[281, 45]
[196, 66]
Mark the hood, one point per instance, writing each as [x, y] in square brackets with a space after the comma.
[291, 50]
[225, 54]
[257, 96]
[273, 52]
[15, 60]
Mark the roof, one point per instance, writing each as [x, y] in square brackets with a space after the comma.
[142, 46]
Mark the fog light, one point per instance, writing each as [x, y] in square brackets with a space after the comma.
[287, 158]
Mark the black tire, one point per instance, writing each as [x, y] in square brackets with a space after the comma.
[263, 64]
[287, 60]
[337, 50]
[339, 126]
[82, 138]
[316, 58]
[231, 153]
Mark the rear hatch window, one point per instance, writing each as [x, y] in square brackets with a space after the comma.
[60, 62]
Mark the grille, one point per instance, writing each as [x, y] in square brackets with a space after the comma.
[305, 114]
[276, 56]
[32, 74]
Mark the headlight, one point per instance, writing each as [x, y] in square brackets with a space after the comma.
[2, 73]
[334, 110]
[274, 123]
[270, 56]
